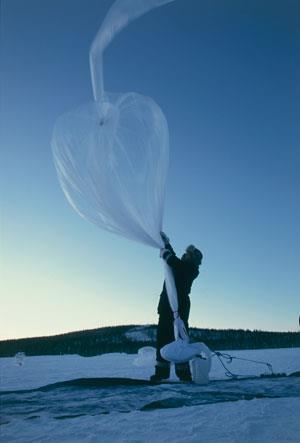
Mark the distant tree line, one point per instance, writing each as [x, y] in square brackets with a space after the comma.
[218, 339]
[114, 339]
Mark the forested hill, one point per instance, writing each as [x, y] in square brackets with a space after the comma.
[131, 337]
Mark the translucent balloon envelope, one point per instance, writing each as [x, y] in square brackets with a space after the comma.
[112, 154]
[112, 160]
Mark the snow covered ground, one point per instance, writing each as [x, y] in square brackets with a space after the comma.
[259, 420]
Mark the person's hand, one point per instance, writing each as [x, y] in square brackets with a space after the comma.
[164, 237]
[165, 253]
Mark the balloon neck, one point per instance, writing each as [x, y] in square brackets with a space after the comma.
[96, 68]
[106, 111]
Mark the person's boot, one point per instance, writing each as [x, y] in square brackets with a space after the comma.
[183, 372]
[162, 372]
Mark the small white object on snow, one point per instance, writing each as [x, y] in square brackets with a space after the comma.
[19, 358]
[146, 357]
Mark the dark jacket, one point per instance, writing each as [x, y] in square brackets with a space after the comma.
[185, 273]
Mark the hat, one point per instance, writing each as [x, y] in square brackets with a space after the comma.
[194, 252]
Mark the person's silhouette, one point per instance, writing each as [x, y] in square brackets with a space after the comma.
[185, 271]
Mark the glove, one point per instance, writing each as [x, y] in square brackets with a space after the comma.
[164, 237]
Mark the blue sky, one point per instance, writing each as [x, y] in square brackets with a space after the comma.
[226, 75]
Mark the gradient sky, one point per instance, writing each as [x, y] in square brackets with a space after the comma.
[226, 74]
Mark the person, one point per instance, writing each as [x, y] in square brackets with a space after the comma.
[185, 271]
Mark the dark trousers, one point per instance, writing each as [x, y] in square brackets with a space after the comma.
[165, 335]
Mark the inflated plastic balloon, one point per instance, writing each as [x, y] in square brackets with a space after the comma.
[112, 154]
[112, 160]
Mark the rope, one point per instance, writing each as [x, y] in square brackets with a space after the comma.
[229, 357]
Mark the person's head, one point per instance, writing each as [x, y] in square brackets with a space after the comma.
[193, 255]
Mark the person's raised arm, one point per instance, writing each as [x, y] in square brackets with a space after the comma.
[167, 253]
